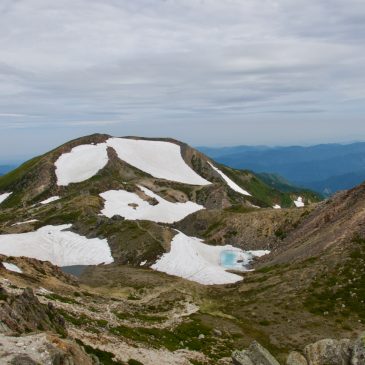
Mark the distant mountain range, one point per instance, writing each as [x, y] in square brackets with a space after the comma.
[325, 168]
[6, 168]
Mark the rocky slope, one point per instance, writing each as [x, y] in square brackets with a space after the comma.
[310, 287]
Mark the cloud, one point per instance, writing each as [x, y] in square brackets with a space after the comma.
[176, 66]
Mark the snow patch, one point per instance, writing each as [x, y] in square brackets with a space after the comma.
[4, 196]
[50, 200]
[12, 267]
[60, 247]
[299, 202]
[229, 182]
[277, 206]
[194, 260]
[132, 207]
[160, 159]
[82, 163]
[25, 222]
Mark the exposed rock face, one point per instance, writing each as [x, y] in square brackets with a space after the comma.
[329, 352]
[41, 349]
[296, 358]
[24, 313]
[358, 351]
[254, 355]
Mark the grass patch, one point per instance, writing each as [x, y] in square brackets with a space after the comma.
[341, 291]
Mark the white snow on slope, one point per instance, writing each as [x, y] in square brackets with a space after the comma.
[160, 159]
[194, 260]
[229, 182]
[277, 206]
[4, 196]
[25, 222]
[299, 202]
[12, 267]
[132, 207]
[54, 244]
[50, 200]
[81, 163]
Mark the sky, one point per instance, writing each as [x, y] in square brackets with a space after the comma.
[208, 72]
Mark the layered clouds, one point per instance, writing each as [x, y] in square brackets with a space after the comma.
[233, 71]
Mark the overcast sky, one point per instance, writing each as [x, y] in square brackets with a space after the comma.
[209, 72]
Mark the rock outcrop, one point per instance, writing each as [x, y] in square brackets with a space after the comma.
[24, 313]
[329, 352]
[323, 352]
[296, 358]
[42, 349]
[254, 355]
[358, 351]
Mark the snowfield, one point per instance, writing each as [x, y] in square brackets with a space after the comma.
[132, 207]
[160, 159]
[82, 163]
[277, 206]
[299, 202]
[50, 200]
[4, 196]
[12, 267]
[25, 222]
[229, 182]
[194, 260]
[60, 247]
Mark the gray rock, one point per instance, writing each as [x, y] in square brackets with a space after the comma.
[217, 332]
[296, 358]
[22, 360]
[358, 351]
[241, 358]
[328, 352]
[254, 355]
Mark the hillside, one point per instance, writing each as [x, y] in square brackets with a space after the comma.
[163, 241]
[325, 168]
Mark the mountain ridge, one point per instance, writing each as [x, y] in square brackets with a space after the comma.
[315, 167]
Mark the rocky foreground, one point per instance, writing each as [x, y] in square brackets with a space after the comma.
[33, 333]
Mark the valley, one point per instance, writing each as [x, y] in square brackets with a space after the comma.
[151, 218]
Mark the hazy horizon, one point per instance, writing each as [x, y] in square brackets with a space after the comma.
[206, 72]
[18, 159]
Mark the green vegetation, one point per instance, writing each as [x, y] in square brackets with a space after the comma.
[14, 176]
[60, 298]
[193, 335]
[341, 290]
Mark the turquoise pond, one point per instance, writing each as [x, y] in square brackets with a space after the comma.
[231, 259]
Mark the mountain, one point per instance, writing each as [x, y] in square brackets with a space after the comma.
[163, 241]
[325, 168]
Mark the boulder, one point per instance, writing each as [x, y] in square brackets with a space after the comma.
[358, 351]
[240, 358]
[328, 352]
[254, 355]
[296, 358]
